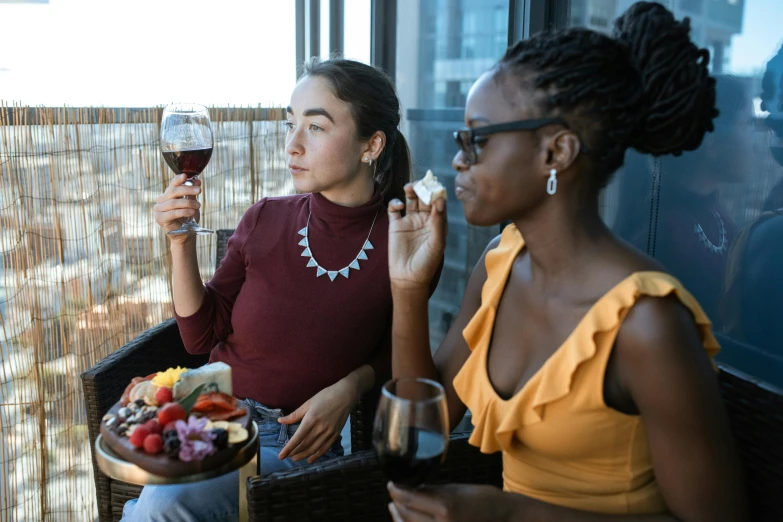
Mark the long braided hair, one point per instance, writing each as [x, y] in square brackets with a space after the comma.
[647, 87]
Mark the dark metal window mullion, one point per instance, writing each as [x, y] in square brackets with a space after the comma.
[383, 35]
[336, 27]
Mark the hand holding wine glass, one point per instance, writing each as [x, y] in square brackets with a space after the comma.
[459, 503]
[186, 145]
[411, 431]
[177, 204]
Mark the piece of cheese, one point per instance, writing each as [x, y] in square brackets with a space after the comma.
[216, 376]
[428, 189]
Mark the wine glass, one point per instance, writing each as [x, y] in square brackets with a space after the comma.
[411, 431]
[186, 145]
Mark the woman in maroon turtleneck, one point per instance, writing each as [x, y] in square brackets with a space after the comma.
[300, 307]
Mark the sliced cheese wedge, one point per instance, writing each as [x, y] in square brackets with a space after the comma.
[216, 376]
[428, 189]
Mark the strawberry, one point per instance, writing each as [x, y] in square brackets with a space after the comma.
[138, 436]
[153, 426]
[170, 426]
[153, 444]
[164, 395]
[172, 411]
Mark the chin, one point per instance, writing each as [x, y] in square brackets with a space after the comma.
[480, 219]
[303, 186]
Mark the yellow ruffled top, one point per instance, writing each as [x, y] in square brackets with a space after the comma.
[561, 444]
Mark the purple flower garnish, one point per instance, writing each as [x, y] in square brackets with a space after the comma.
[195, 443]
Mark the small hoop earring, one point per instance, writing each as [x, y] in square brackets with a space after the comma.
[551, 184]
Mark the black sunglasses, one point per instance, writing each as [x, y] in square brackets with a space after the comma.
[468, 140]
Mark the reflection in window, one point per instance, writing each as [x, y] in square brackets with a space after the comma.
[691, 6]
[443, 46]
[714, 216]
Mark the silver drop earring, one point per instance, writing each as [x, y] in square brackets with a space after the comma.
[551, 184]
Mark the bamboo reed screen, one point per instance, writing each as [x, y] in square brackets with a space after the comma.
[84, 269]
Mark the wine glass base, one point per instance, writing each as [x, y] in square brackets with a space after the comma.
[191, 231]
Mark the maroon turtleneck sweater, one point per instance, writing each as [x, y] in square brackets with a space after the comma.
[286, 333]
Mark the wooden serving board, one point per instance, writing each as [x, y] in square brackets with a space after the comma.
[165, 466]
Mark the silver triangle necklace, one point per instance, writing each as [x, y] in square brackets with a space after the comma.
[319, 270]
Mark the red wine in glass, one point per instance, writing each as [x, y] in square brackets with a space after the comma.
[190, 162]
[411, 430]
[412, 465]
[186, 145]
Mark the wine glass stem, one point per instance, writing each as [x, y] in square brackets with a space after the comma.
[189, 183]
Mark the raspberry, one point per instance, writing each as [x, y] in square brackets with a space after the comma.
[153, 444]
[138, 436]
[154, 426]
[163, 395]
[171, 412]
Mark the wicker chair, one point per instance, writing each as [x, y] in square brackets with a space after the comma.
[159, 348]
[353, 488]
[755, 411]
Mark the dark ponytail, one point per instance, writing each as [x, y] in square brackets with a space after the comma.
[393, 180]
[370, 94]
[648, 87]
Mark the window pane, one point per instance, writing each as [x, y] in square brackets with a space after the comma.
[443, 46]
[719, 227]
[356, 30]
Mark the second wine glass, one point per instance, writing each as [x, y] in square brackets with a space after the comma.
[186, 145]
[411, 431]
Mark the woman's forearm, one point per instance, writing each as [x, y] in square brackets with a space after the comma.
[186, 283]
[362, 379]
[411, 355]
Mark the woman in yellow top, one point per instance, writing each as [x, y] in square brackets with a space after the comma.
[583, 362]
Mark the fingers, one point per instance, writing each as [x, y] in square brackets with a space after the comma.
[303, 435]
[177, 180]
[180, 179]
[293, 443]
[395, 209]
[439, 222]
[402, 513]
[176, 204]
[167, 217]
[411, 200]
[172, 210]
[422, 500]
[310, 451]
[322, 447]
[395, 513]
[180, 191]
[308, 446]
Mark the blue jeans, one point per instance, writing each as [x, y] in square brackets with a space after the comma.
[217, 499]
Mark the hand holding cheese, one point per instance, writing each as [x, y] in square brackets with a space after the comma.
[428, 189]
[418, 239]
